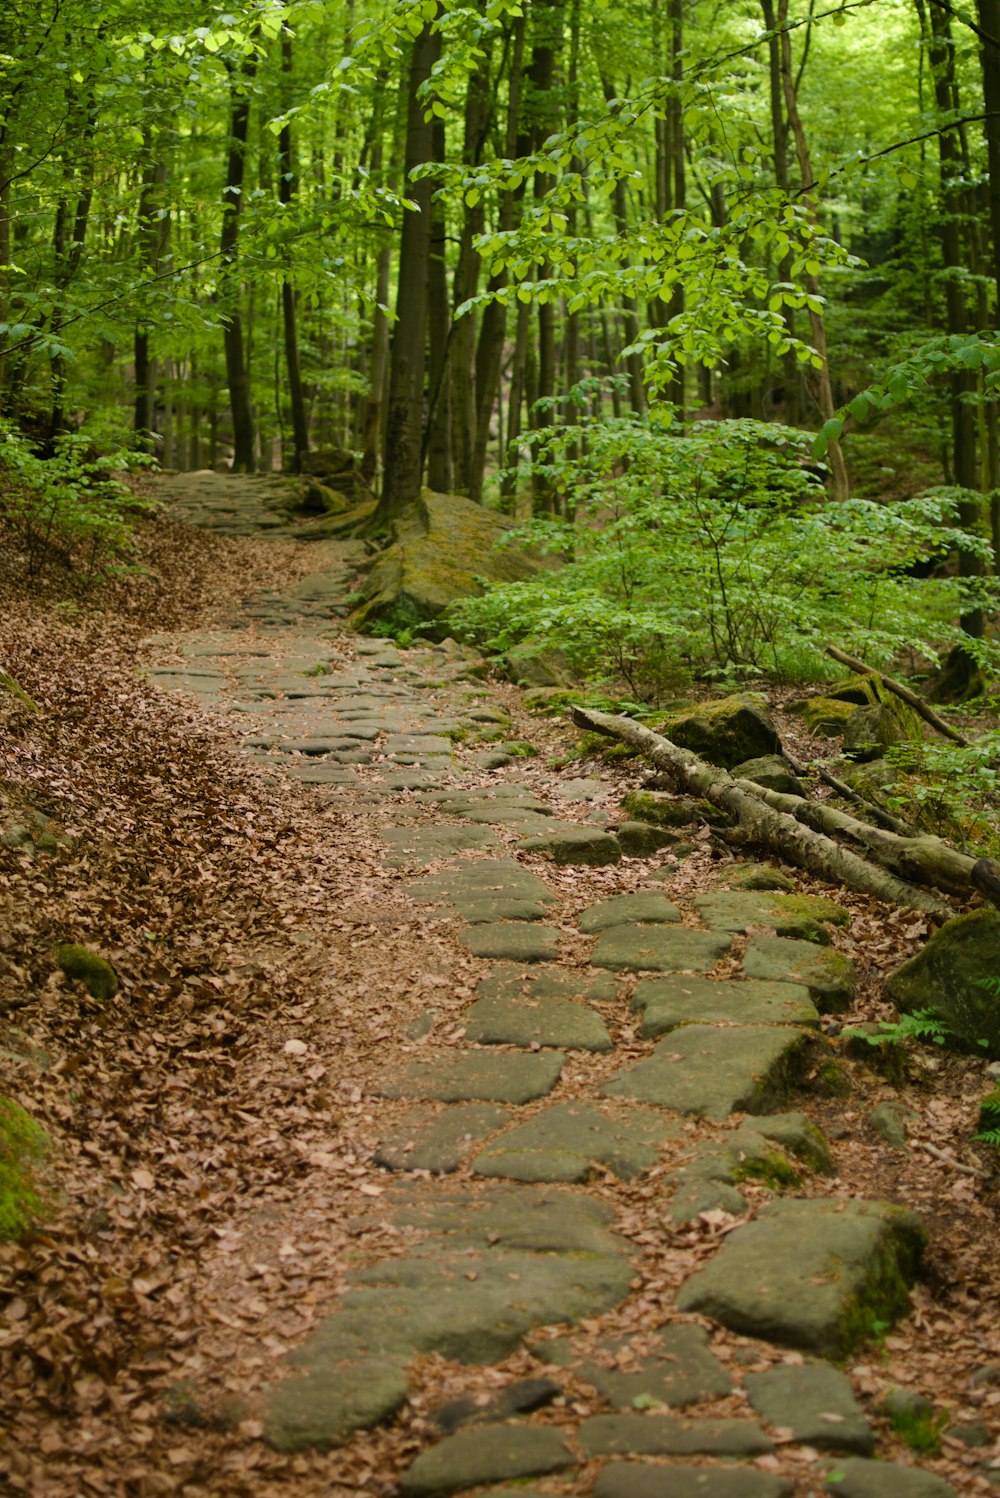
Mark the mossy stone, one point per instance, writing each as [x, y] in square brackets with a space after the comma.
[664, 810]
[951, 977]
[641, 840]
[444, 549]
[727, 732]
[819, 1275]
[771, 772]
[24, 1146]
[827, 717]
[95, 973]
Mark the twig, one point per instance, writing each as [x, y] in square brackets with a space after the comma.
[946, 1159]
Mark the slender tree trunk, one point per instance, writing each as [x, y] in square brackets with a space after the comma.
[237, 359]
[989, 25]
[823, 386]
[779, 135]
[404, 416]
[287, 189]
[492, 329]
[153, 235]
[377, 367]
[438, 439]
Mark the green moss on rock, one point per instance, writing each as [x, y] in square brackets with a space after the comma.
[24, 1147]
[727, 733]
[443, 550]
[826, 717]
[663, 810]
[95, 973]
[952, 977]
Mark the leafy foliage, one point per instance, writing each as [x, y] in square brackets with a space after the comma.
[713, 552]
[73, 503]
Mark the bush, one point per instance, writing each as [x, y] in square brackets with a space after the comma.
[714, 552]
[70, 506]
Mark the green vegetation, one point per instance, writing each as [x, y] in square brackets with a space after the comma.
[24, 1147]
[922, 1026]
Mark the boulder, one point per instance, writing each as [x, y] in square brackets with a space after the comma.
[770, 771]
[727, 733]
[869, 731]
[95, 973]
[443, 551]
[865, 711]
[533, 664]
[953, 977]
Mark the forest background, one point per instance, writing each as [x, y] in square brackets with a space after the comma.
[702, 293]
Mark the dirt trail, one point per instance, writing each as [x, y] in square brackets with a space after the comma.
[545, 1197]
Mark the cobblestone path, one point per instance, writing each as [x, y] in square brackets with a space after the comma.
[613, 1049]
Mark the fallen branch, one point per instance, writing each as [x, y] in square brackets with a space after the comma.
[910, 698]
[801, 831]
[879, 817]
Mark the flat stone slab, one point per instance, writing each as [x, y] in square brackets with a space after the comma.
[426, 844]
[324, 1407]
[322, 772]
[815, 1402]
[513, 941]
[480, 909]
[789, 915]
[712, 1071]
[411, 745]
[316, 745]
[509, 1020]
[642, 839]
[439, 1139]
[859, 1478]
[829, 975]
[490, 1453]
[478, 881]
[638, 1480]
[660, 949]
[646, 906]
[469, 1307]
[667, 1003]
[519, 1398]
[536, 1219]
[567, 1141]
[819, 1275]
[477, 1076]
[507, 979]
[678, 1369]
[573, 844]
[665, 1435]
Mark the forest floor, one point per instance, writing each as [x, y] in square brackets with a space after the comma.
[318, 1165]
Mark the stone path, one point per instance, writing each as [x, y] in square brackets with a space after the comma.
[499, 1138]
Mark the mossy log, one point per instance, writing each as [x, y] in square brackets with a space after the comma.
[805, 832]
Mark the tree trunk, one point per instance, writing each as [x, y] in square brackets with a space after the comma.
[803, 831]
[493, 328]
[405, 407]
[153, 234]
[824, 388]
[960, 676]
[287, 189]
[779, 137]
[237, 364]
[438, 439]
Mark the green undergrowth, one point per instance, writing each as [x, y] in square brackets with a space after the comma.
[710, 553]
[71, 511]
